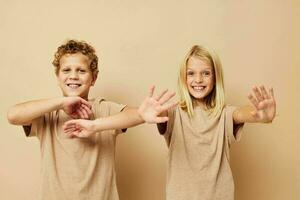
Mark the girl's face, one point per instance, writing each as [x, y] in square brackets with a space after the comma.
[199, 79]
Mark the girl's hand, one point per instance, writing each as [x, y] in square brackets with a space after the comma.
[152, 108]
[264, 104]
[79, 128]
[77, 107]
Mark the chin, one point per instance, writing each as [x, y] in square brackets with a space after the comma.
[199, 96]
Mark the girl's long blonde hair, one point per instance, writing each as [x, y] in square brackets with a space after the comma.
[215, 100]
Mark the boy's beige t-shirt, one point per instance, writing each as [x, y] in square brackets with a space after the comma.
[77, 168]
[198, 159]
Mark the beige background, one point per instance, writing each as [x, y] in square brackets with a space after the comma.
[142, 43]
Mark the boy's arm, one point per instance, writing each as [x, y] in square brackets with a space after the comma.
[25, 113]
[149, 111]
[263, 108]
[84, 128]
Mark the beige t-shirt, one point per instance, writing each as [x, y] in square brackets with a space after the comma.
[198, 159]
[77, 168]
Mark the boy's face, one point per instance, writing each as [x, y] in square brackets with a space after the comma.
[74, 76]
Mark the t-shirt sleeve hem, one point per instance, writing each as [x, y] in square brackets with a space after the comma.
[234, 132]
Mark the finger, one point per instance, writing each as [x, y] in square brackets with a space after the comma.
[253, 100]
[80, 113]
[76, 133]
[257, 94]
[169, 106]
[151, 90]
[159, 120]
[254, 114]
[85, 102]
[88, 110]
[84, 112]
[272, 93]
[70, 123]
[166, 97]
[79, 134]
[67, 125]
[70, 129]
[162, 94]
[264, 92]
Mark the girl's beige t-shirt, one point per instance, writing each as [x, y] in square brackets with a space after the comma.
[77, 168]
[198, 159]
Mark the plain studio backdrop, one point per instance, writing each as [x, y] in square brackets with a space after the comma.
[140, 43]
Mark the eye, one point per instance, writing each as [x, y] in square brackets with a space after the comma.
[190, 73]
[206, 73]
[82, 71]
[65, 70]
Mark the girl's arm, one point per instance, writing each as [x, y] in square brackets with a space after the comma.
[263, 108]
[149, 111]
[25, 113]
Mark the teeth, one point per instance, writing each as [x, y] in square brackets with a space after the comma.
[73, 85]
[198, 87]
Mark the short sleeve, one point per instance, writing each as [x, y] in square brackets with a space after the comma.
[167, 131]
[103, 108]
[34, 129]
[233, 132]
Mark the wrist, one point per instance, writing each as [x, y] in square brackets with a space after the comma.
[59, 102]
[140, 115]
[96, 125]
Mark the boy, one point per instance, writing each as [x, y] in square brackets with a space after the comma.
[73, 167]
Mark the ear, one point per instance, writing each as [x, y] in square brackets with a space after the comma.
[57, 81]
[95, 75]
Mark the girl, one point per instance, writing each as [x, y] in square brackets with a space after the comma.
[202, 127]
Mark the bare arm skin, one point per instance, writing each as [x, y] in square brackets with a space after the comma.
[25, 113]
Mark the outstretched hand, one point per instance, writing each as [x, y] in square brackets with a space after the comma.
[79, 128]
[264, 104]
[154, 108]
[77, 107]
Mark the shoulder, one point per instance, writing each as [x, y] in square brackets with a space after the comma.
[229, 108]
[97, 101]
[102, 107]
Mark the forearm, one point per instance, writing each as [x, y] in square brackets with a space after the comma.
[24, 113]
[125, 119]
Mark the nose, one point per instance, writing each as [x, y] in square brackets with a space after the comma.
[198, 78]
[73, 75]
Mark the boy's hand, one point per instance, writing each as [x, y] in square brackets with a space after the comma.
[79, 128]
[152, 107]
[264, 103]
[77, 107]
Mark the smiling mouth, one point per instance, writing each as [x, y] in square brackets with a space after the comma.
[73, 85]
[198, 88]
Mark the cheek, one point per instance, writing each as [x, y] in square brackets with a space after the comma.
[211, 81]
[189, 81]
[87, 79]
[60, 79]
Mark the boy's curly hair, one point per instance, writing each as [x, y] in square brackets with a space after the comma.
[75, 46]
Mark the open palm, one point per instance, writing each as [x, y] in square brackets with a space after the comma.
[264, 103]
[152, 108]
[80, 128]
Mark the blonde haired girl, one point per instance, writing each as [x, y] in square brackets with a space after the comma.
[202, 127]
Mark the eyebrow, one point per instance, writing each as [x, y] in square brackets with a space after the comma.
[201, 70]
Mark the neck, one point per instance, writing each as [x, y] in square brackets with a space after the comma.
[199, 104]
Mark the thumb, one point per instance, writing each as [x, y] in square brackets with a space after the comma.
[254, 114]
